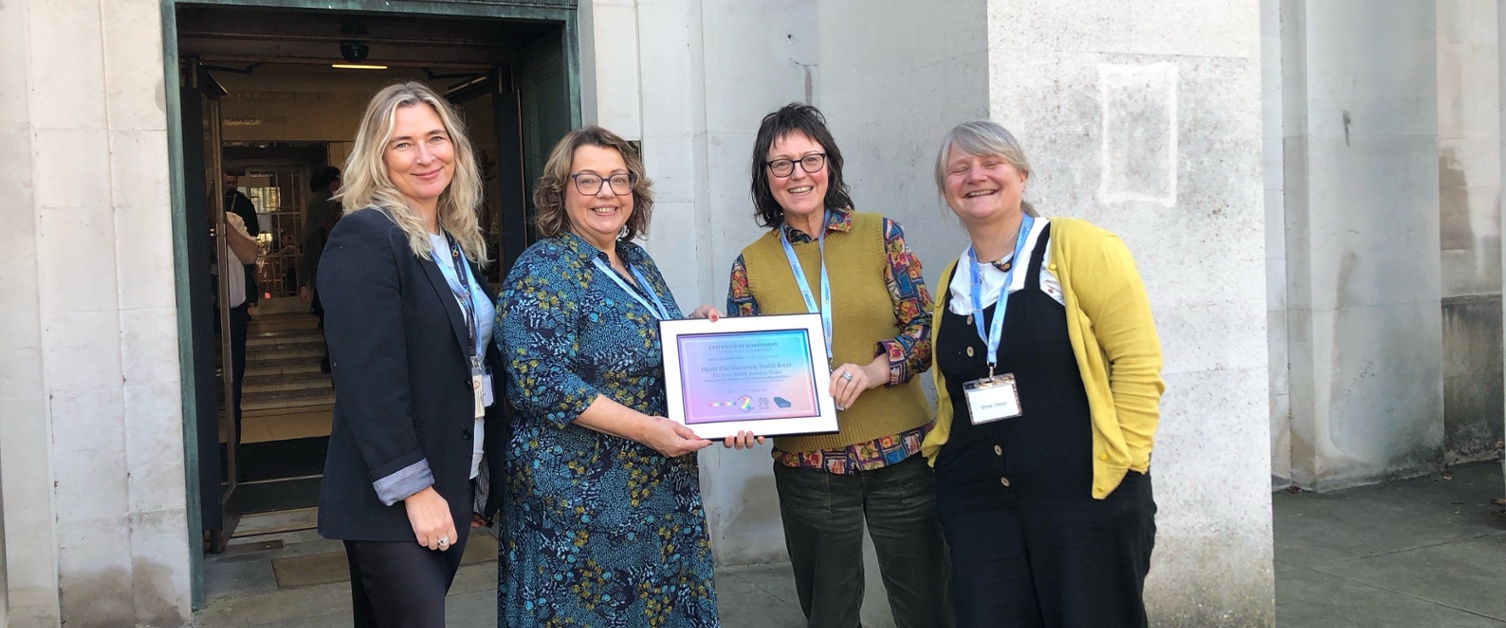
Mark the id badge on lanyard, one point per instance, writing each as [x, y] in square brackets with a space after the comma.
[481, 376]
[996, 397]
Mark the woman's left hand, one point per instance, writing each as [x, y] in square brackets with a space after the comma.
[850, 380]
[706, 311]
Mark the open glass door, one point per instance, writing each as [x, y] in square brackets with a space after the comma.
[213, 381]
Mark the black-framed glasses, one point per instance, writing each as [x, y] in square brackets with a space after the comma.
[811, 164]
[589, 183]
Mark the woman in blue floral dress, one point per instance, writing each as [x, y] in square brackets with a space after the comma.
[603, 523]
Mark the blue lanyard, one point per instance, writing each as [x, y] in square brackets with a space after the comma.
[657, 307]
[996, 330]
[805, 286]
[461, 288]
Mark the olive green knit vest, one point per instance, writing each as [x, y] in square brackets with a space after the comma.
[862, 315]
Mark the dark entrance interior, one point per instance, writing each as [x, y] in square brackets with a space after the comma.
[273, 97]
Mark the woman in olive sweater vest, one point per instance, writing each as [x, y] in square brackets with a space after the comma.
[1048, 387]
[821, 256]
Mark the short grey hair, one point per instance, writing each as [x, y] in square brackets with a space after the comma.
[981, 137]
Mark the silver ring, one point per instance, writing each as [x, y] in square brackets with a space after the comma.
[847, 376]
[444, 541]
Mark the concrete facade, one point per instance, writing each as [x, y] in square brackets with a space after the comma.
[1383, 292]
[1343, 159]
[97, 523]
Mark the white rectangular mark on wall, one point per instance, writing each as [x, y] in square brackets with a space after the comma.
[1139, 153]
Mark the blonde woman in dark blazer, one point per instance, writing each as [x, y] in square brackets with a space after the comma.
[408, 321]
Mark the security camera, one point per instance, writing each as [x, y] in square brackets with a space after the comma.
[354, 51]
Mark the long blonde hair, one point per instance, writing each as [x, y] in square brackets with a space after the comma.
[366, 184]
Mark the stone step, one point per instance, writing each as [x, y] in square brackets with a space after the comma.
[274, 350]
[284, 358]
[287, 400]
[283, 337]
[301, 367]
[318, 410]
[264, 379]
[261, 389]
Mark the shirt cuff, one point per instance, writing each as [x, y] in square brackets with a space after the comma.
[404, 482]
[898, 362]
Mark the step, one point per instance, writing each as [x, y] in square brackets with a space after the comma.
[248, 389]
[299, 368]
[285, 358]
[266, 379]
[283, 337]
[286, 402]
[315, 410]
[273, 348]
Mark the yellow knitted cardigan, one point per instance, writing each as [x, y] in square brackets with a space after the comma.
[1114, 339]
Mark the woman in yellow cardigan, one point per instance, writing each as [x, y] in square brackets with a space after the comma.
[1047, 372]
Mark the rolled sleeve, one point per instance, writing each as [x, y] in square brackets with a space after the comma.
[404, 483]
[909, 353]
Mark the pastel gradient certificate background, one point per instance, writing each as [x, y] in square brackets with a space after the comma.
[747, 376]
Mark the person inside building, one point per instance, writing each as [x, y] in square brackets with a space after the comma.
[238, 204]
[323, 185]
[241, 250]
[409, 326]
[1048, 383]
[603, 522]
[324, 212]
[821, 255]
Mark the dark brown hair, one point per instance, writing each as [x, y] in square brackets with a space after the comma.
[808, 121]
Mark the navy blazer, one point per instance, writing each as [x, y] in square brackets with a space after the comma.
[404, 412]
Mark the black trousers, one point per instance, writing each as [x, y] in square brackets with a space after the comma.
[402, 584]
[824, 515]
[1074, 563]
[240, 320]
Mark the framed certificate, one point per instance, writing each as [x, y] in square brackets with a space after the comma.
[763, 374]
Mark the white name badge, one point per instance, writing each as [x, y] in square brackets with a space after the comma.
[479, 394]
[486, 389]
[992, 399]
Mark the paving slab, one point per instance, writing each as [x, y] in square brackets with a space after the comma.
[1467, 575]
[1310, 598]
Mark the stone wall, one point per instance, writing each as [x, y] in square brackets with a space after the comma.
[1469, 177]
[1144, 117]
[1361, 139]
[94, 489]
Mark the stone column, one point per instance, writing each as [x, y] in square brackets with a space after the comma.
[1145, 118]
[1361, 168]
[30, 563]
[97, 527]
[1469, 171]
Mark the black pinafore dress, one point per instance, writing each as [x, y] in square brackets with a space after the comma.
[1029, 544]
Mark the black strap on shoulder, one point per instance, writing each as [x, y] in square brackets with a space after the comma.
[1037, 257]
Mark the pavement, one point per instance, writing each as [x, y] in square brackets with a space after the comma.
[1426, 552]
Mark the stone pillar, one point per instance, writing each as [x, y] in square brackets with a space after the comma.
[1469, 171]
[894, 77]
[1360, 84]
[97, 527]
[1275, 241]
[30, 563]
[1144, 118]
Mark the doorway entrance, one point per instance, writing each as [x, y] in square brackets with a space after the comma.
[270, 98]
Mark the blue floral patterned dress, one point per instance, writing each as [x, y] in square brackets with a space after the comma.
[598, 530]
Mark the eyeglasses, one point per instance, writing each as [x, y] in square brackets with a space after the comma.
[811, 164]
[589, 183]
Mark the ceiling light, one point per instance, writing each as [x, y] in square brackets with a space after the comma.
[357, 66]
